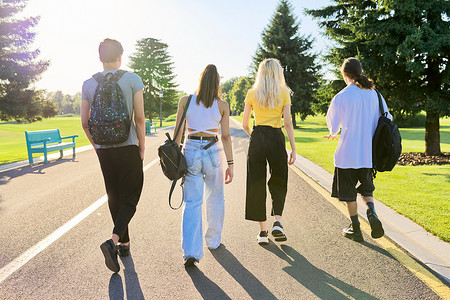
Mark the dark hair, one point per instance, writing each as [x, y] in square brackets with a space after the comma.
[109, 50]
[353, 70]
[209, 86]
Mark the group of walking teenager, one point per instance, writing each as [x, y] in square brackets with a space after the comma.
[353, 112]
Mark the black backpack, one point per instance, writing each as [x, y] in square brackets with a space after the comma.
[386, 142]
[173, 162]
[109, 122]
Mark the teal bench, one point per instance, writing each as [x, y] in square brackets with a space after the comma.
[149, 126]
[44, 141]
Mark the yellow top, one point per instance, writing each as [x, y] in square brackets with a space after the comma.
[268, 117]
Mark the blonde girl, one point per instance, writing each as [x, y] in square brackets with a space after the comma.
[270, 100]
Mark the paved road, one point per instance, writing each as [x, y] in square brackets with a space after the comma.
[315, 261]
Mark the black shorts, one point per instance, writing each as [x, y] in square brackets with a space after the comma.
[345, 180]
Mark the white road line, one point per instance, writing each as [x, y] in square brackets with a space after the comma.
[17, 263]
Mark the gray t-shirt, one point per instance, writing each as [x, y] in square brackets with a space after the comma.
[130, 84]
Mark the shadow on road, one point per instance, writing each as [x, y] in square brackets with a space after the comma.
[377, 249]
[37, 168]
[319, 282]
[205, 286]
[116, 287]
[132, 285]
[244, 277]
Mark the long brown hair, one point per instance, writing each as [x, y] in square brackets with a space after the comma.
[209, 86]
[352, 69]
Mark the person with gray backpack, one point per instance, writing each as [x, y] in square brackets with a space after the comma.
[355, 111]
[112, 116]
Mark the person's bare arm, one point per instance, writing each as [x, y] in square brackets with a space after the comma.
[181, 106]
[85, 115]
[290, 131]
[226, 140]
[139, 120]
[246, 119]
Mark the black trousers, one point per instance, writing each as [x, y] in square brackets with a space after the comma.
[267, 145]
[123, 175]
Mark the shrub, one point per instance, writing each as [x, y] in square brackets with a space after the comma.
[405, 121]
[171, 118]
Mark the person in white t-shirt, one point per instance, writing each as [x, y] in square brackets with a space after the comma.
[354, 111]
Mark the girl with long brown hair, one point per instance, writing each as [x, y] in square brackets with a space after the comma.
[205, 114]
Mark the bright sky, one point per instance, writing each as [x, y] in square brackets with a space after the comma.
[198, 32]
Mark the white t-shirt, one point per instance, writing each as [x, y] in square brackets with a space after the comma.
[355, 112]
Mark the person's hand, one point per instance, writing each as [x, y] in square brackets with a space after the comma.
[141, 153]
[229, 173]
[331, 136]
[292, 157]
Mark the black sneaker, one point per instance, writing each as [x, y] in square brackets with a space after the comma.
[110, 253]
[353, 233]
[375, 224]
[190, 262]
[124, 250]
[278, 232]
[262, 238]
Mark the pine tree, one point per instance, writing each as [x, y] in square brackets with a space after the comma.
[404, 47]
[18, 66]
[282, 40]
[152, 63]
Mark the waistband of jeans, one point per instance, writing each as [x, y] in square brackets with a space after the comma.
[201, 138]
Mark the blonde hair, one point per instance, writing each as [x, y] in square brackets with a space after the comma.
[268, 83]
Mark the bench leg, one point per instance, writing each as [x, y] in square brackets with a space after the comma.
[30, 157]
[45, 158]
[74, 152]
[61, 153]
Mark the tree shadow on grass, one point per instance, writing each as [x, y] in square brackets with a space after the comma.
[438, 174]
[37, 168]
[305, 140]
[319, 282]
[244, 277]
[205, 286]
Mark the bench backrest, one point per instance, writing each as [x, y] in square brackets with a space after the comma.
[33, 136]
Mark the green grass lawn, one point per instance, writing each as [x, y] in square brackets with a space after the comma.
[12, 135]
[421, 193]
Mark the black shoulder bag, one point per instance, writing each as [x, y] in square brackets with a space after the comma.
[173, 162]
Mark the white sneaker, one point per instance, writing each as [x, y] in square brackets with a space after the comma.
[262, 238]
[278, 232]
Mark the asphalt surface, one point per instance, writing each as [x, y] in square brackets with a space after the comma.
[315, 262]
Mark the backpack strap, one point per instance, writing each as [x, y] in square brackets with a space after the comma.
[380, 103]
[118, 74]
[99, 77]
[182, 118]
[174, 182]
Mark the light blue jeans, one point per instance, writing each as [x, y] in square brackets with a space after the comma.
[205, 171]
